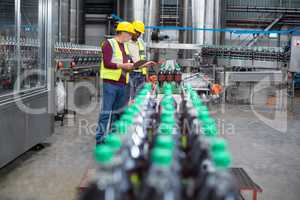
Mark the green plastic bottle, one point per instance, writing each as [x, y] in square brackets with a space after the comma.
[113, 141]
[165, 141]
[218, 145]
[165, 128]
[103, 154]
[167, 117]
[161, 180]
[222, 159]
[209, 130]
[161, 157]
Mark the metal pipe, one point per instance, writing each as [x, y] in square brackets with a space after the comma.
[210, 21]
[198, 20]
[152, 18]
[126, 10]
[18, 37]
[59, 20]
[64, 20]
[119, 8]
[73, 21]
[49, 43]
[137, 10]
[183, 35]
[80, 23]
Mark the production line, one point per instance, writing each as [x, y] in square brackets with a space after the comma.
[149, 99]
[165, 146]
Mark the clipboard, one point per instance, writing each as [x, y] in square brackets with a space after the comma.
[139, 64]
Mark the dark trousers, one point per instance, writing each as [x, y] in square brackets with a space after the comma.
[115, 97]
[137, 79]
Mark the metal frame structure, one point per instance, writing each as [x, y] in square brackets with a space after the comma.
[22, 130]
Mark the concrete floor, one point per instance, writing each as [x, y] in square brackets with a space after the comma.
[270, 157]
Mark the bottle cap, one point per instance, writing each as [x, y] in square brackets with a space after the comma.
[189, 88]
[128, 118]
[197, 102]
[148, 86]
[210, 130]
[113, 141]
[129, 110]
[167, 117]
[203, 115]
[167, 87]
[222, 160]
[165, 128]
[167, 92]
[120, 127]
[103, 154]
[208, 120]
[164, 141]
[143, 92]
[218, 145]
[161, 157]
[194, 95]
[135, 108]
[167, 99]
[139, 100]
[169, 107]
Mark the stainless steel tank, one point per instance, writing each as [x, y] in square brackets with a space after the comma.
[152, 16]
[64, 16]
[207, 14]
[131, 10]
[198, 20]
[76, 21]
[186, 36]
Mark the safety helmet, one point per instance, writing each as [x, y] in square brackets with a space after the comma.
[126, 27]
[139, 26]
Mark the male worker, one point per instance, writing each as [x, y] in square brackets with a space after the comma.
[136, 47]
[114, 72]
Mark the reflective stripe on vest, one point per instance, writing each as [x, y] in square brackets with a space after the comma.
[142, 53]
[114, 74]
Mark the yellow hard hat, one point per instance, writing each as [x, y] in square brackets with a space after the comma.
[126, 27]
[139, 26]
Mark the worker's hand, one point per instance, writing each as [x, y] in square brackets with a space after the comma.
[126, 66]
[161, 62]
[149, 64]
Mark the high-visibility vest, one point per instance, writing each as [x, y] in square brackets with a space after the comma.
[114, 74]
[142, 51]
[142, 54]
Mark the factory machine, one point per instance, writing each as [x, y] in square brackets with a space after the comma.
[25, 73]
[240, 64]
[29, 51]
[208, 55]
[231, 66]
[75, 64]
[39, 73]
